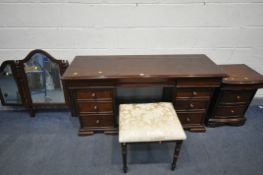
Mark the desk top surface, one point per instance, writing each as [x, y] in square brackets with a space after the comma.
[142, 66]
[241, 74]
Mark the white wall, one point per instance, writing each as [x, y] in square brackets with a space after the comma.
[228, 31]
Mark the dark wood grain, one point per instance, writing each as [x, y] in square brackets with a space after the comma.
[141, 66]
[231, 101]
[234, 110]
[241, 74]
[97, 121]
[63, 64]
[192, 104]
[93, 94]
[193, 92]
[192, 121]
[241, 96]
[176, 153]
[94, 107]
[192, 79]
[18, 70]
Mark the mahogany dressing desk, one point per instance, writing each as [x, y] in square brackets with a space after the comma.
[90, 84]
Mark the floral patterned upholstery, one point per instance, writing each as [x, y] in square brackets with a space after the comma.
[149, 122]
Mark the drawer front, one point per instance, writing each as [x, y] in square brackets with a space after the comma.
[230, 110]
[198, 82]
[236, 96]
[94, 94]
[96, 121]
[191, 117]
[95, 107]
[190, 104]
[193, 92]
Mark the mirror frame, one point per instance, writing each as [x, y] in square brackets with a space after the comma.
[22, 82]
[63, 64]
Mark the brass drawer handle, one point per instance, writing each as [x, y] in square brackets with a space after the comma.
[232, 111]
[97, 121]
[238, 97]
[95, 107]
[194, 93]
[191, 105]
[93, 94]
[188, 119]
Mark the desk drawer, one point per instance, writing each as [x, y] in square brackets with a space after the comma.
[230, 110]
[191, 117]
[193, 92]
[94, 94]
[182, 104]
[99, 106]
[96, 121]
[198, 82]
[236, 97]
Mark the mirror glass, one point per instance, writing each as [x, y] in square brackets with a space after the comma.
[8, 88]
[44, 82]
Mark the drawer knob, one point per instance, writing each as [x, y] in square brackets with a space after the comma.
[188, 119]
[232, 111]
[194, 93]
[97, 121]
[191, 105]
[93, 94]
[95, 107]
[238, 97]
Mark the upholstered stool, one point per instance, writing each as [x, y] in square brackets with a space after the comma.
[149, 122]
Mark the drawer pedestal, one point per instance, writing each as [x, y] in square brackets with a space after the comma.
[95, 107]
[192, 99]
[233, 98]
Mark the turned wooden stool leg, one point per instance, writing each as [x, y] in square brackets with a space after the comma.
[124, 156]
[176, 153]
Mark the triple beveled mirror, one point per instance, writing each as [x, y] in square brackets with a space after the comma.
[39, 81]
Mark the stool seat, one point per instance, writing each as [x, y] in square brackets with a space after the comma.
[149, 122]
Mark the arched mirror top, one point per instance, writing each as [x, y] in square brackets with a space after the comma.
[38, 53]
[43, 74]
[5, 64]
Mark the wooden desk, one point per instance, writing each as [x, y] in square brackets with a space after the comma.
[90, 85]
